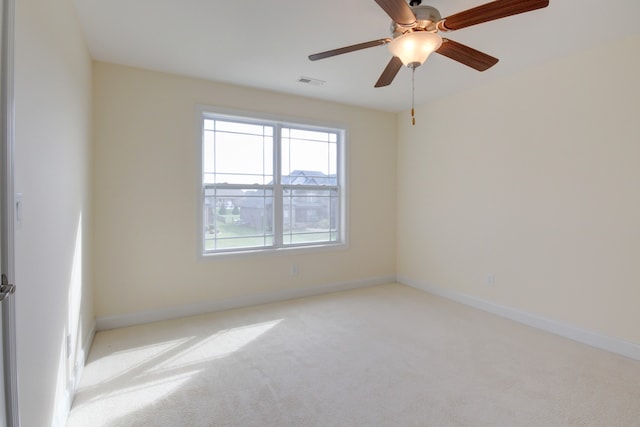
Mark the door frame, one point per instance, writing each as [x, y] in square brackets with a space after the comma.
[7, 261]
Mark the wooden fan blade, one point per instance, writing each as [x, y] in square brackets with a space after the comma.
[466, 55]
[489, 12]
[389, 72]
[348, 49]
[398, 10]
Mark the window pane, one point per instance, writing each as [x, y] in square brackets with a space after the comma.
[309, 135]
[309, 154]
[237, 152]
[238, 127]
[310, 216]
[208, 153]
[317, 237]
[243, 159]
[236, 218]
[240, 184]
[333, 160]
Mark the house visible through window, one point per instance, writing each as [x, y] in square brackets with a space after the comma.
[270, 185]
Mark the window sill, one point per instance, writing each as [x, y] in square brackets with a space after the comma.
[286, 251]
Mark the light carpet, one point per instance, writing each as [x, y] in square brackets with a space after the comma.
[381, 356]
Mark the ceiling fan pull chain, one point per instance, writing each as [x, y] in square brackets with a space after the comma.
[413, 95]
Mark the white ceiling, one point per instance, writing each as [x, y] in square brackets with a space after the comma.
[265, 43]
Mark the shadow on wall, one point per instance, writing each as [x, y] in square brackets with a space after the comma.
[72, 352]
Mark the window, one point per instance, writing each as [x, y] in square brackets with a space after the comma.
[270, 185]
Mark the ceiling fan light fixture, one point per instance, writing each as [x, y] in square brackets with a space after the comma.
[415, 47]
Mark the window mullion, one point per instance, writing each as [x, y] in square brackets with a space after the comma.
[277, 188]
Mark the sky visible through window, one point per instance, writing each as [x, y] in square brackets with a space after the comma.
[242, 153]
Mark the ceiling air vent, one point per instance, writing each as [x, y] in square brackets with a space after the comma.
[311, 81]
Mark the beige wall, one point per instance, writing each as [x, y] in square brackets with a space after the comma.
[53, 113]
[533, 179]
[146, 195]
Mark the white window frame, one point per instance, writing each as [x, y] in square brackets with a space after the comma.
[208, 112]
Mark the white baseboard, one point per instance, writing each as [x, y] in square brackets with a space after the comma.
[603, 342]
[81, 358]
[131, 319]
[62, 412]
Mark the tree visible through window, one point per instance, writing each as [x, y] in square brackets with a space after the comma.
[269, 185]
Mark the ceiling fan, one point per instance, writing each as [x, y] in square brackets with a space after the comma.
[415, 35]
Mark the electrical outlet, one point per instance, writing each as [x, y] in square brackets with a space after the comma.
[18, 202]
[294, 270]
[491, 279]
[69, 345]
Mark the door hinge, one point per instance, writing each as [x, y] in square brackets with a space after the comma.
[6, 288]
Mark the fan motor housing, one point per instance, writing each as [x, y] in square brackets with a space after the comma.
[426, 19]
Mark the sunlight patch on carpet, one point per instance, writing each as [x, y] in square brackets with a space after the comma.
[128, 400]
[127, 362]
[221, 344]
